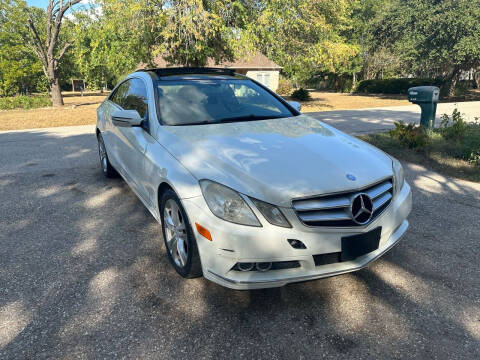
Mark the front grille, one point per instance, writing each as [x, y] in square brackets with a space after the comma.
[334, 210]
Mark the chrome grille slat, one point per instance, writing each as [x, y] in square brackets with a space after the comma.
[308, 205]
[382, 200]
[334, 209]
[378, 190]
[325, 216]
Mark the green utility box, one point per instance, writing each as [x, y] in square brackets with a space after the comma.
[427, 98]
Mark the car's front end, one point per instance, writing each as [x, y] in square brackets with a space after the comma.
[271, 219]
[249, 257]
[274, 196]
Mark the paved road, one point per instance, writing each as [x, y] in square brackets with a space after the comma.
[378, 119]
[83, 274]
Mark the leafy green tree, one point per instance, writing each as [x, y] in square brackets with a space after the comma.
[112, 42]
[433, 38]
[195, 30]
[370, 62]
[304, 36]
[20, 70]
[47, 44]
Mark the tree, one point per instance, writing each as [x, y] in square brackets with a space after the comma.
[46, 49]
[110, 43]
[372, 63]
[195, 30]
[304, 36]
[432, 38]
[20, 70]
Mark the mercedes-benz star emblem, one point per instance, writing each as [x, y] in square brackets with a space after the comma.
[361, 208]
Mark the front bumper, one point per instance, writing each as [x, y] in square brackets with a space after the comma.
[234, 243]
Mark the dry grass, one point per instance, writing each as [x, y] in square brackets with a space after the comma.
[80, 110]
[439, 155]
[324, 101]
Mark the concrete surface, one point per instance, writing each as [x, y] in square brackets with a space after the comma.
[382, 118]
[83, 274]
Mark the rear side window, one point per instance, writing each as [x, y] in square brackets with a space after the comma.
[132, 95]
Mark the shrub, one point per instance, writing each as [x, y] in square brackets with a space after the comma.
[394, 86]
[24, 102]
[469, 144]
[284, 87]
[410, 135]
[453, 127]
[301, 95]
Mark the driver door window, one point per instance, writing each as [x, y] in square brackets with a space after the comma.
[120, 94]
[132, 95]
[136, 97]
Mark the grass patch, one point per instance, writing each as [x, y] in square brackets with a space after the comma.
[24, 102]
[78, 110]
[456, 157]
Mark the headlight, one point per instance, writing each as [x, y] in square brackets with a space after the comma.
[227, 204]
[399, 175]
[272, 213]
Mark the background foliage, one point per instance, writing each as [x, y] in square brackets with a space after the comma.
[325, 43]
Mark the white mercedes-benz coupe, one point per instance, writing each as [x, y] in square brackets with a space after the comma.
[249, 192]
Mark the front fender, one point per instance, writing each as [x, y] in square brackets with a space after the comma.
[163, 167]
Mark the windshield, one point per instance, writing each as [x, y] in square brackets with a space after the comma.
[205, 101]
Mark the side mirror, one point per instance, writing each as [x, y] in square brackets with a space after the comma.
[126, 118]
[296, 105]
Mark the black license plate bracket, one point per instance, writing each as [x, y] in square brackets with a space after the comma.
[357, 245]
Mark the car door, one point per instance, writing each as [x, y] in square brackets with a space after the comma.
[114, 102]
[130, 142]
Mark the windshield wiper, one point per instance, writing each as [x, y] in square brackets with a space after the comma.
[230, 119]
[248, 118]
[203, 122]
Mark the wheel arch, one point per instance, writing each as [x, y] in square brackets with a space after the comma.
[162, 188]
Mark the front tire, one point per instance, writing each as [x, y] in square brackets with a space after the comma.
[180, 243]
[107, 168]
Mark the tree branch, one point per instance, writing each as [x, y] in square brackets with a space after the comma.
[62, 52]
[37, 41]
[60, 11]
[49, 22]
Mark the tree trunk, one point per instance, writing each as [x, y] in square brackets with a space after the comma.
[55, 92]
[476, 78]
[451, 83]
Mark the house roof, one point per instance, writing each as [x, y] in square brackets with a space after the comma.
[257, 61]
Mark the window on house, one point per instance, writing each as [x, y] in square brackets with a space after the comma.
[264, 78]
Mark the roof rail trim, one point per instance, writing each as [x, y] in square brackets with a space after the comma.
[188, 70]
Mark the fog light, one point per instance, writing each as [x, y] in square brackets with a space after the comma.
[296, 244]
[245, 266]
[263, 266]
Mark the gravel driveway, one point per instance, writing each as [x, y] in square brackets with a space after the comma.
[83, 274]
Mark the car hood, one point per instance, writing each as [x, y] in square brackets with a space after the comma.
[276, 160]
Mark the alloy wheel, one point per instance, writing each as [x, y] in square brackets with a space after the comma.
[103, 155]
[175, 233]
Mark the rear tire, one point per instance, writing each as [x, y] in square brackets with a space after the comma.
[107, 168]
[180, 243]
